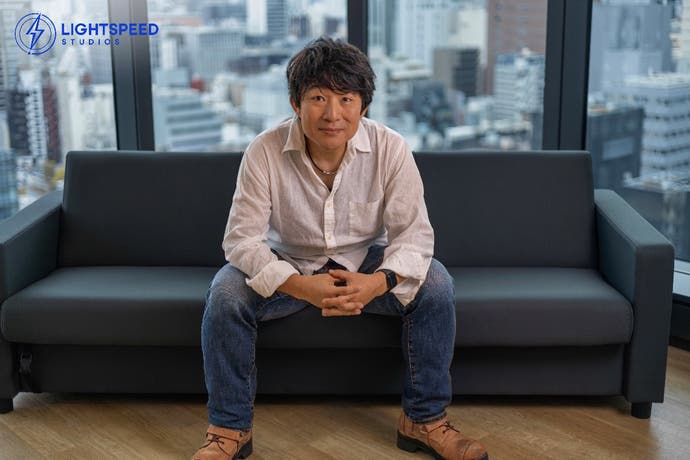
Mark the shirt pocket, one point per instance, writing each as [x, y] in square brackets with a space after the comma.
[366, 219]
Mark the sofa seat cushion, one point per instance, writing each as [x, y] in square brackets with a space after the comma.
[538, 307]
[163, 306]
[110, 306]
[160, 306]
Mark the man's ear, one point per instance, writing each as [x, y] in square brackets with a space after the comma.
[295, 107]
[364, 112]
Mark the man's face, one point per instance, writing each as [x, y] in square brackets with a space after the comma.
[329, 119]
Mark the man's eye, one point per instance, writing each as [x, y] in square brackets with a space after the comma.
[347, 99]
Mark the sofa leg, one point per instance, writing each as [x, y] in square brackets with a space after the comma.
[6, 405]
[641, 410]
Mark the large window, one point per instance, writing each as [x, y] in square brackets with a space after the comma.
[638, 125]
[460, 74]
[218, 68]
[52, 102]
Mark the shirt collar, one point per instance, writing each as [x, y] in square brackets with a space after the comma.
[295, 140]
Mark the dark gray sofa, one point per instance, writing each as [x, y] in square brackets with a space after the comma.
[561, 290]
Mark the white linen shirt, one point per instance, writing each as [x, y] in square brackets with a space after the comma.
[280, 203]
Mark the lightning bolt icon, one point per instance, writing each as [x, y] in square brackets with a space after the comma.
[35, 31]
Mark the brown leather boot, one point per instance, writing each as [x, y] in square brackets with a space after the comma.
[439, 439]
[225, 444]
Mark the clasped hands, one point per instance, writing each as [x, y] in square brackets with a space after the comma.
[353, 292]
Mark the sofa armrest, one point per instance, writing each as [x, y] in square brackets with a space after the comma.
[29, 244]
[637, 260]
[28, 252]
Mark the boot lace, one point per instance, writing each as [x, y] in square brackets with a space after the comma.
[217, 439]
[446, 427]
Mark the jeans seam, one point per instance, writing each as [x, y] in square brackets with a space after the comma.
[410, 354]
[251, 374]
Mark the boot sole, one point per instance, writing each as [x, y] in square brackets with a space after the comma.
[245, 451]
[413, 445]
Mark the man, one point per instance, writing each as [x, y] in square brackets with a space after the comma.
[329, 212]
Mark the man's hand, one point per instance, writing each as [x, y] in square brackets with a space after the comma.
[367, 288]
[315, 289]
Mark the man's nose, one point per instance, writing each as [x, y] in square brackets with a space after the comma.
[332, 111]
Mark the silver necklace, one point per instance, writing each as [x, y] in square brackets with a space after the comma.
[323, 171]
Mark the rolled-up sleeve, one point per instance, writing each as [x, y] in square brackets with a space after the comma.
[244, 242]
[410, 235]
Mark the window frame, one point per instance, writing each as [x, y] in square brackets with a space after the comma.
[132, 92]
[566, 79]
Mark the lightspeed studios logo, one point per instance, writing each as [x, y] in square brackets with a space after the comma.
[35, 33]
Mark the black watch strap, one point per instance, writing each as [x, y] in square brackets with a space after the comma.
[391, 278]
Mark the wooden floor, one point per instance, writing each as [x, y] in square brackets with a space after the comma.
[51, 426]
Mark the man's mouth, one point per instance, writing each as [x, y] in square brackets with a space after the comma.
[330, 130]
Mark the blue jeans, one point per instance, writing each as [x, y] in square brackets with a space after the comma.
[229, 329]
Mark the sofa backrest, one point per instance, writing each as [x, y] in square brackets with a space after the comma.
[487, 208]
[146, 208]
[511, 208]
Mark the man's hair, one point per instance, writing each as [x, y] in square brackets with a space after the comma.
[332, 64]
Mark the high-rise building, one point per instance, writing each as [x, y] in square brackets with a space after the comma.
[52, 121]
[169, 54]
[266, 98]
[331, 25]
[663, 199]
[182, 123]
[100, 64]
[26, 116]
[300, 26]
[457, 69]
[378, 109]
[628, 39]
[469, 29]
[256, 17]
[666, 138]
[518, 84]
[169, 51]
[402, 75]
[4, 132]
[421, 27]
[9, 201]
[614, 140]
[98, 118]
[276, 19]
[217, 11]
[70, 111]
[212, 48]
[10, 54]
[514, 25]
[259, 60]
[683, 63]
[382, 26]
[430, 107]
[268, 18]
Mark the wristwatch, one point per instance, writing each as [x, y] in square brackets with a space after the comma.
[391, 278]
